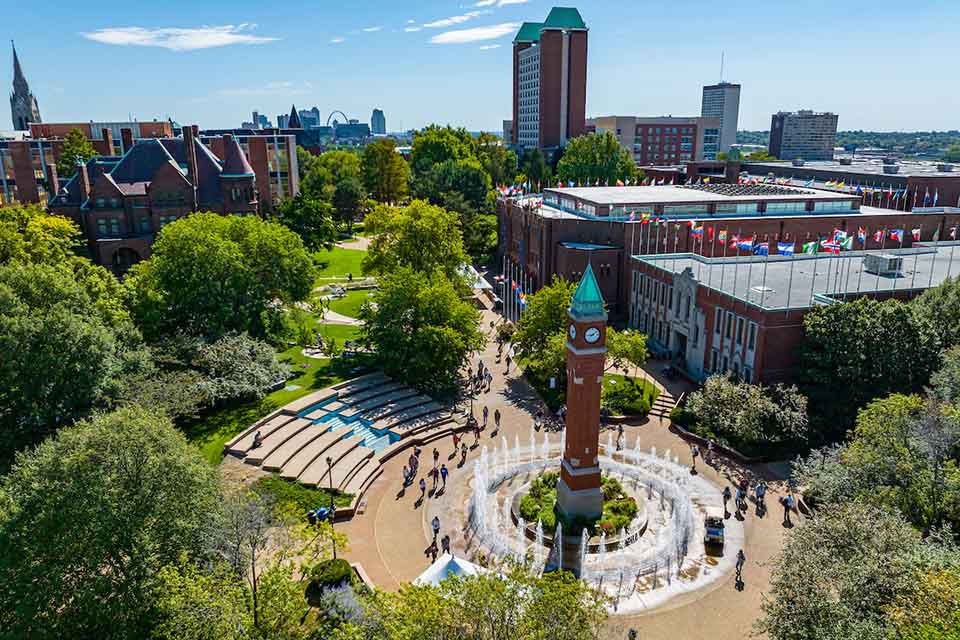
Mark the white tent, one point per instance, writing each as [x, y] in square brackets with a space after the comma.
[447, 565]
[474, 279]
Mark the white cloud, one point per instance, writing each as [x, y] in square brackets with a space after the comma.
[489, 46]
[411, 29]
[337, 40]
[372, 29]
[452, 20]
[178, 39]
[485, 3]
[275, 88]
[476, 34]
[411, 21]
[503, 3]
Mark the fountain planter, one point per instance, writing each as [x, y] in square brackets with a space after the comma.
[573, 541]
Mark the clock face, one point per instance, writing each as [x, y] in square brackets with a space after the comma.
[592, 335]
[573, 332]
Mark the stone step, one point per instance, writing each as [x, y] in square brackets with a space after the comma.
[361, 382]
[348, 464]
[242, 444]
[396, 420]
[307, 454]
[425, 423]
[373, 392]
[275, 440]
[384, 411]
[378, 401]
[360, 468]
[362, 480]
[283, 454]
[316, 472]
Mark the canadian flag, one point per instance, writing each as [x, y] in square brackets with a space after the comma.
[878, 236]
[916, 234]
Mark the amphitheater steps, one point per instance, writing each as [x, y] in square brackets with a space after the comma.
[302, 459]
[281, 455]
[276, 440]
[345, 468]
[391, 423]
[355, 398]
[391, 408]
[378, 401]
[242, 444]
[362, 479]
[317, 470]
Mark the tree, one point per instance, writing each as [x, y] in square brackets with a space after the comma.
[479, 230]
[89, 517]
[595, 158]
[421, 236]
[858, 351]
[434, 145]
[238, 367]
[347, 199]
[76, 149]
[420, 329]
[211, 274]
[309, 217]
[930, 609]
[738, 412]
[466, 178]
[385, 172]
[498, 161]
[30, 234]
[945, 382]
[819, 587]
[952, 154]
[197, 605]
[939, 307]
[64, 352]
[545, 316]
[625, 348]
[329, 170]
[535, 167]
[760, 156]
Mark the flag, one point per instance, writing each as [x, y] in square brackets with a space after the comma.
[916, 235]
[633, 216]
[953, 233]
[722, 235]
[746, 243]
[619, 183]
[710, 234]
[696, 231]
[785, 248]
[896, 234]
[862, 236]
[810, 247]
[809, 183]
[761, 249]
[936, 196]
[926, 197]
[839, 235]
[877, 235]
[833, 247]
[846, 243]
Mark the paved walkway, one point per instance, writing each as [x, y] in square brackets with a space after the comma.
[390, 537]
[332, 317]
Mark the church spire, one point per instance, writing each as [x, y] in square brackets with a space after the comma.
[294, 121]
[23, 104]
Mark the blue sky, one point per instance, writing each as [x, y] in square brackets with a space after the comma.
[880, 64]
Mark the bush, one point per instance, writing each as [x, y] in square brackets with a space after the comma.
[682, 418]
[303, 498]
[626, 399]
[331, 573]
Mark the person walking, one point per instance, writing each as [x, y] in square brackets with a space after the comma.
[787, 508]
[436, 456]
[463, 453]
[456, 442]
[486, 414]
[432, 550]
[435, 476]
[741, 559]
[406, 476]
[726, 496]
[444, 472]
[761, 491]
[488, 377]
[741, 499]
[423, 488]
[412, 462]
[694, 452]
[435, 524]
[496, 419]
[445, 543]
[508, 364]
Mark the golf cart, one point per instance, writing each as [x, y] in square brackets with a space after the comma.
[713, 523]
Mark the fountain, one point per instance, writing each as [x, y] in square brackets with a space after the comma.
[584, 540]
[516, 447]
[521, 537]
[558, 545]
[546, 445]
[609, 443]
[533, 445]
[601, 555]
[538, 549]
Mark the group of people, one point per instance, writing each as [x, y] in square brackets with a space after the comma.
[432, 550]
[438, 473]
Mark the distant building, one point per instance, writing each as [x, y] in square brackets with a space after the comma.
[378, 123]
[507, 131]
[803, 135]
[723, 101]
[352, 130]
[108, 138]
[23, 104]
[293, 121]
[310, 118]
[663, 140]
[550, 80]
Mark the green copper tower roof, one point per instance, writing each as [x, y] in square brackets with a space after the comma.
[587, 299]
[529, 32]
[564, 18]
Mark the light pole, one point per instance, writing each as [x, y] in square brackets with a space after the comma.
[333, 505]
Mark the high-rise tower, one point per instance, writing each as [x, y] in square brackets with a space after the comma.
[578, 489]
[23, 104]
[723, 101]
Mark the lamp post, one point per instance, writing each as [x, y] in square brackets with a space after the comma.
[333, 504]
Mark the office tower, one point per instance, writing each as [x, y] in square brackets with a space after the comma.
[723, 101]
[378, 123]
[803, 135]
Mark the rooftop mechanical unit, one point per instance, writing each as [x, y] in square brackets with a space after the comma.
[883, 264]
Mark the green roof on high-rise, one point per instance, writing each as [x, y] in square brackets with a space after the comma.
[587, 299]
[558, 18]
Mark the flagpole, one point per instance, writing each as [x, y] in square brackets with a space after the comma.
[953, 246]
[813, 283]
[763, 280]
[723, 269]
[936, 243]
[750, 269]
[903, 236]
[916, 259]
[863, 250]
[793, 256]
[883, 243]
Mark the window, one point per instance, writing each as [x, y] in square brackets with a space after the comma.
[739, 330]
[670, 299]
[726, 363]
[752, 340]
[786, 207]
[146, 226]
[696, 335]
[684, 209]
[736, 369]
[747, 375]
[115, 203]
[686, 313]
[743, 207]
[717, 323]
[714, 360]
[101, 203]
[729, 328]
[102, 227]
[165, 220]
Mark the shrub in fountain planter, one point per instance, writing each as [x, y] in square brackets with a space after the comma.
[627, 399]
[540, 502]
[619, 510]
[331, 573]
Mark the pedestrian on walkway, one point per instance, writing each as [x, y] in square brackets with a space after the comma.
[435, 476]
[741, 499]
[726, 497]
[406, 476]
[436, 457]
[508, 364]
[741, 559]
[443, 474]
[761, 492]
[496, 418]
[412, 461]
[423, 488]
[432, 550]
[787, 508]
[456, 442]
[463, 453]
[709, 456]
[489, 379]
[445, 543]
[486, 414]
[435, 523]
[695, 453]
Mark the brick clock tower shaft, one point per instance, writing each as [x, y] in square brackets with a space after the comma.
[578, 489]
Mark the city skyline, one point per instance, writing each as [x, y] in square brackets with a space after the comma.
[218, 66]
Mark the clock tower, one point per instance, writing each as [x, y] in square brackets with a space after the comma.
[578, 489]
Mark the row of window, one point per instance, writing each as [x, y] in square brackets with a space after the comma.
[722, 365]
[111, 226]
[735, 327]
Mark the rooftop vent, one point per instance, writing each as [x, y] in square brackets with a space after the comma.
[888, 160]
[945, 167]
[846, 161]
[883, 264]
[797, 162]
[891, 168]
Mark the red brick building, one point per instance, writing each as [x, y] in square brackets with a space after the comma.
[550, 80]
[120, 203]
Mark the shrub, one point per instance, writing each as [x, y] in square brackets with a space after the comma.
[682, 418]
[611, 488]
[331, 573]
[627, 399]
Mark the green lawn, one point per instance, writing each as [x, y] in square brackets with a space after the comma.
[337, 263]
[613, 379]
[350, 304]
[339, 332]
[212, 431]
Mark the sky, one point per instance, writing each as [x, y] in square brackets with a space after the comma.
[880, 64]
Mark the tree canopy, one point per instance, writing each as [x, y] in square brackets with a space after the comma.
[420, 329]
[385, 172]
[545, 316]
[89, 517]
[939, 308]
[30, 234]
[311, 218]
[596, 158]
[211, 274]
[76, 148]
[421, 236]
[435, 145]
